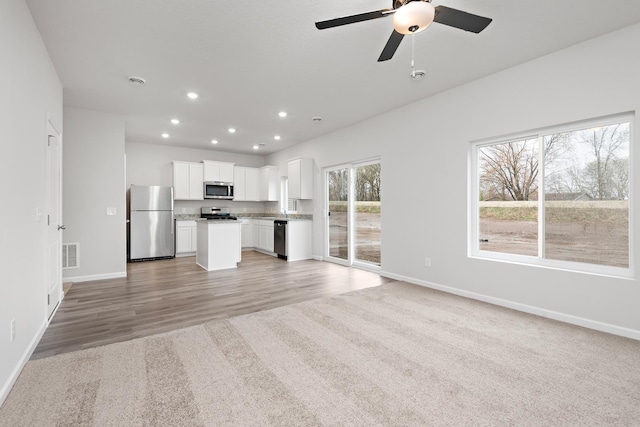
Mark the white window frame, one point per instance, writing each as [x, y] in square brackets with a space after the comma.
[473, 226]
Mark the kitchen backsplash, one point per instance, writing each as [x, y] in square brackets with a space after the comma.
[191, 210]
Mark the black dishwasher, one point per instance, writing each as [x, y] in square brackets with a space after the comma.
[280, 238]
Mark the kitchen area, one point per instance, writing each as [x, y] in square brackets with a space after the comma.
[240, 209]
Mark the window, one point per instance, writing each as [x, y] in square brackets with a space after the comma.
[559, 197]
[287, 205]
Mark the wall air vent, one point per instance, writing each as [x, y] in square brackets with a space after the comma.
[70, 255]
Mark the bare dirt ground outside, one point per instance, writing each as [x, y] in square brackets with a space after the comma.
[587, 232]
[367, 236]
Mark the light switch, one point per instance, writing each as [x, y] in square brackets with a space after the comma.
[111, 211]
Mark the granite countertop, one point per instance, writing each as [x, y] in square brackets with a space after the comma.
[242, 215]
[217, 221]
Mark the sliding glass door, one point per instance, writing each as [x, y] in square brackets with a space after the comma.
[354, 214]
[338, 213]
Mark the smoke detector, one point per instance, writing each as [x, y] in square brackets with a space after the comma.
[137, 81]
[417, 75]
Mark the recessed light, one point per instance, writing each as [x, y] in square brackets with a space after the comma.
[277, 137]
[165, 135]
[214, 141]
[175, 121]
[192, 95]
[255, 147]
[316, 119]
[232, 130]
[282, 114]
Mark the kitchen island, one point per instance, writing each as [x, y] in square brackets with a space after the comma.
[219, 244]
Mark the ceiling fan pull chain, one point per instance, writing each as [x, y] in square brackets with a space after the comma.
[413, 52]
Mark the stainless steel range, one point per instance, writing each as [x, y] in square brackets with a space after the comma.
[213, 213]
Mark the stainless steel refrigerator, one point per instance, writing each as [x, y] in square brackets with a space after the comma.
[151, 224]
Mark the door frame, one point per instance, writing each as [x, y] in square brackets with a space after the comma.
[53, 132]
[327, 243]
[351, 261]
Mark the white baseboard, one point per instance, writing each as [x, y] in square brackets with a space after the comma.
[6, 387]
[317, 257]
[78, 279]
[550, 314]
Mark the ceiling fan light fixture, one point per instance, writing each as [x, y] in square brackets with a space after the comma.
[413, 17]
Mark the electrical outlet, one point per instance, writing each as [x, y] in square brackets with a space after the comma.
[13, 329]
[427, 262]
[111, 211]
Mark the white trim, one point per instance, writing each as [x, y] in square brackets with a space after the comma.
[185, 254]
[542, 312]
[317, 257]
[13, 377]
[368, 266]
[93, 277]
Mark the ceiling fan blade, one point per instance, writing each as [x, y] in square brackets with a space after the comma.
[353, 19]
[391, 46]
[462, 20]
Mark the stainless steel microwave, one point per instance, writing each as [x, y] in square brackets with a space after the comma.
[218, 190]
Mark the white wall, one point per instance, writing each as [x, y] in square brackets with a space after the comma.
[30, 91]
[94, 179]
[424, 148]
[150, 164]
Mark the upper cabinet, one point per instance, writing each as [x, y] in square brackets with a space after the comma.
[187, 181]
[218, 171]
[256, 184]
[269, 184]
[245, 184]
[300, 178]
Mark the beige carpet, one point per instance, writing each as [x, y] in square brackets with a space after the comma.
[392, 355]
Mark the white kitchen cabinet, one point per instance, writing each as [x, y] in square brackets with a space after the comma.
[300, 178]
[265, 235]
[219, 245]
[299, 235]
[247, 233]
[187, 181]
[252, 176]
[269, 183]
[186, 238]
[218, 171]
[245, 184]
[239, 184]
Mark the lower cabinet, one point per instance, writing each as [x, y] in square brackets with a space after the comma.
[186, 238]
[247, 233]
[265, 235]
[257, 234]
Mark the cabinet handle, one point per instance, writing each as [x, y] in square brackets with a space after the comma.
[62, 227]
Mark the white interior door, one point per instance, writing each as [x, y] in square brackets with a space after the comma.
[54, 221]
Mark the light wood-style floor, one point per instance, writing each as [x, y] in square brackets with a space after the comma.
[159, 296]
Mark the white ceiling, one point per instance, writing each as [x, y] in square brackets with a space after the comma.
[248, 60]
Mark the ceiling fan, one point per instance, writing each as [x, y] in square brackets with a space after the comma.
[411, 17]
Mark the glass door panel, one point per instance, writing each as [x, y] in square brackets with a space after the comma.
[338, 205]
[367, 222]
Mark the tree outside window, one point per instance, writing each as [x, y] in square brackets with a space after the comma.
[579, 179]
